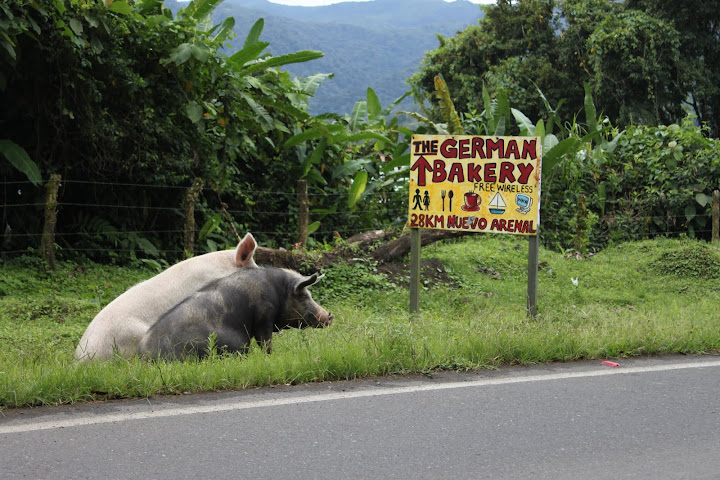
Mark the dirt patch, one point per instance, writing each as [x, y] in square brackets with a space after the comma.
[432, 273]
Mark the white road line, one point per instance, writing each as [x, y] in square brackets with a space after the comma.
[326, 397]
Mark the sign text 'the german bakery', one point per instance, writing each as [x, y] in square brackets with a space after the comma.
[481, 184]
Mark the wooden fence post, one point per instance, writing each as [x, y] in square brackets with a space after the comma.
[415, 245]
[47, 241]
[533, 258]
[190, 199]
[303, 212]
[716, 217]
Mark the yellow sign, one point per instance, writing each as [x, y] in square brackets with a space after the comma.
[473, 183]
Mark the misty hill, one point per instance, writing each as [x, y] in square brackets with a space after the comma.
[376, 44]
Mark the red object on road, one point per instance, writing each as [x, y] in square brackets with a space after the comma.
[610, 364]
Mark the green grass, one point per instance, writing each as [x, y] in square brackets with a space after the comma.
[643, 298]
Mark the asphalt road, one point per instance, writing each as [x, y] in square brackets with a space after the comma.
[656, 418]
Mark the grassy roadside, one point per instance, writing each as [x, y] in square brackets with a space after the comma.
[650, 297]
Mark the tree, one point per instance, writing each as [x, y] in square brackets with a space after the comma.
[512, 48]
[644, 59]
[634, 58]
[121, 92]
[697, 23]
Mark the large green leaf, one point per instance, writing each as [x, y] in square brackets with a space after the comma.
[358, 114]
[552, 112]
[312, 133]
[312, 228]
[199, 9]
[260, 112]
[254, 34]
[148, 6]
[401, 161]
[194, 111]
[313, 82]
[387, 110]
[200, 52]
[488, 112]
[553, 156]
[297, 57]
[76, 26]
[590, 112]
[503, 108]
[360, 136]
[147, 247]
[549, 141]
[690, 212]
[181, 53]
[212, 224]
[19, 159]
[251, 52]
[283, 107]
[225, 30]
[349, 168]
[315, 177]
[357, 188]
[315, 157]
[500, 128]
[526, 126]
[374, 108]
[309, 134]
[121, 7]
[703, 199]
[9, 45]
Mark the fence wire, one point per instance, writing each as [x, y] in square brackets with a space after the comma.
[393, 201]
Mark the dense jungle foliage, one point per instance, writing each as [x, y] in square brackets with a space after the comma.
[648, 61]
[131, 104]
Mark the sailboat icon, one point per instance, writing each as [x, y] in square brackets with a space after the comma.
[497, 204]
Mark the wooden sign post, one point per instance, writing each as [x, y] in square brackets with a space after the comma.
[476, 184]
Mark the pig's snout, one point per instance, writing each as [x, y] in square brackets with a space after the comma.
[323, 319]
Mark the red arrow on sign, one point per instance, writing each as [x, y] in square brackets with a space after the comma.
[422, 166]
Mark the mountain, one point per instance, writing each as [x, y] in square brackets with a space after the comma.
[376, 44]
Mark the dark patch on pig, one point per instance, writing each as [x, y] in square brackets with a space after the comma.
[247, 304]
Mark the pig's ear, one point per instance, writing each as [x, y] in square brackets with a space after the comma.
[245, 252]
[307, 281]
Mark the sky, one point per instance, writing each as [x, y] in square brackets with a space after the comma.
[315, 3]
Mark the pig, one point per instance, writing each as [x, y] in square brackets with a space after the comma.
[247, 304]
[120, 326]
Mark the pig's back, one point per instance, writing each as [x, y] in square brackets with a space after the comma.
[122, 323]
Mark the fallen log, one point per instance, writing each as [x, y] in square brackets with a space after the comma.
[400, 247]
[385, 253]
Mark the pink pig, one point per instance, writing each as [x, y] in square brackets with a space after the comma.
[121, 325]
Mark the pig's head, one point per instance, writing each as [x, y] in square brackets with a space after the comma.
[301, 310]
[245, 252]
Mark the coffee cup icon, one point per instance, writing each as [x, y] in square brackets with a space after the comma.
[472, 201]
[524, 202]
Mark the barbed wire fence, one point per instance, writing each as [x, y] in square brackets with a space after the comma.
[299, 212]
[23, 196]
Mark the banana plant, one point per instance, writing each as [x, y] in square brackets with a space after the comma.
[19, 158]
[251, 59]
[359, 143]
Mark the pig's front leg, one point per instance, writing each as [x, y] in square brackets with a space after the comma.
[264, 339]
[233, 341]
